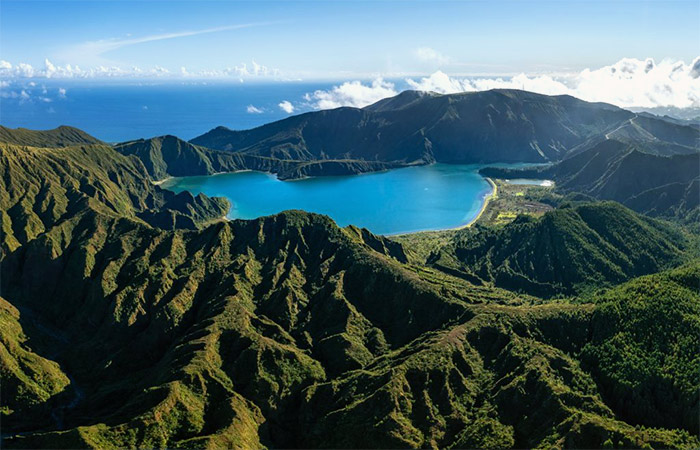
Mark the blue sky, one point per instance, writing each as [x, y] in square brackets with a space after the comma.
[343, 40]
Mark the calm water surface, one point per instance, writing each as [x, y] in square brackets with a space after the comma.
[422, 198]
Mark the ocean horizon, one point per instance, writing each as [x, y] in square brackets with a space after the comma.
[116, 111]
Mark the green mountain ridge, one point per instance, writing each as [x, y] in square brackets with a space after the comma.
[479, 127]
[62, 136]
[168, 156]
[666, 137]
[567, 250]
[288, 331]
[43, 186]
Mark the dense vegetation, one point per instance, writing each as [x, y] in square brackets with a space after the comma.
[569, 249]
[121, 329]
[43, 187]
[643, 348]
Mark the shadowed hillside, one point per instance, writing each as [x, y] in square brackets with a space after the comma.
[169, 156]
[658, 185]
[479, 127]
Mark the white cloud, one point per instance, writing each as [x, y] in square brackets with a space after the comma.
[51, 70]
[253, 110]
[255, 70]
[627, 83]
[286, 106]
[442, 83]
[351, 93]
[24, 70]
[430, 55]
[27, 93]
[632, 82]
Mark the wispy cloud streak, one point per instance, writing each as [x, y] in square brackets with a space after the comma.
[92, 51]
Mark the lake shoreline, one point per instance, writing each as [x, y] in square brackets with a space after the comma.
[491, 195]
[434, 198]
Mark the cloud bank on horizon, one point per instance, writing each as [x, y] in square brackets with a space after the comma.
[628, 83]
[240, 72]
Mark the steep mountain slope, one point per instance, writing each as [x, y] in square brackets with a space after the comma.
[565, 251]
[660, 135]
[616, 171]
[43, 186]
[490, 126]
[627, 173]
[507, 378]
[62, 136]
[293, 292]
[27, 378]
[249, 333]
[170, 156]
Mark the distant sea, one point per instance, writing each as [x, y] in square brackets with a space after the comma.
[119, 111]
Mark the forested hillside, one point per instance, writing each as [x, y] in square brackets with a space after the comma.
[122, 329]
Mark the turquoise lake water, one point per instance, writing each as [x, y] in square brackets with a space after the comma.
[432, 197]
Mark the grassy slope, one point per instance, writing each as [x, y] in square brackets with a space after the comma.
[254, 323]
[292, 292]
[28, 379]
[508, 377]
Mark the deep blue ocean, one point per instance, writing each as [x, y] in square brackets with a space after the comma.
[120, 111]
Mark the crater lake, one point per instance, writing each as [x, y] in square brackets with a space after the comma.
[421, 198]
